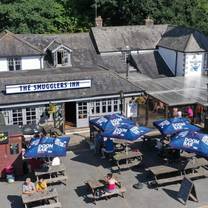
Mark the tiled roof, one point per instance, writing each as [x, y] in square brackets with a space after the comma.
[103, 83]
[184, 39]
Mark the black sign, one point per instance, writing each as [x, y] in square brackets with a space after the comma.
[4, 138]
[187, 190]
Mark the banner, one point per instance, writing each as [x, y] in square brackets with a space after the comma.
[47, 86]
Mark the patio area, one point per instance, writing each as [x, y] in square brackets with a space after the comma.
[82, 165]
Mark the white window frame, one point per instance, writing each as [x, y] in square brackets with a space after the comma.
[14, 62]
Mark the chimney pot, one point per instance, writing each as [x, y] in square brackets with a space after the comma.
[99, 21]
[149, 21]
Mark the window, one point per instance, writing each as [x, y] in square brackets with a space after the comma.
[104, 106]
[14, 149]
[17, 117]
[109, 106]
[82, 110]
[97, 104]
[62, 57]
[14, 64]
[30, 115]
[115, 105]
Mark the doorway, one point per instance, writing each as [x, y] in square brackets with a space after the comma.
[70, 114]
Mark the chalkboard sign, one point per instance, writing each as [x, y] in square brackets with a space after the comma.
[187, 190]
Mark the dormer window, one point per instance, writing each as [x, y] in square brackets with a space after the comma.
[14, 64]
[60, 55]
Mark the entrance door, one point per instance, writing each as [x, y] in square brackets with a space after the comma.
[82, 114]
[70, 114]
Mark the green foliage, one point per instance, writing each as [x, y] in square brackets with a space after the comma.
[52, 16]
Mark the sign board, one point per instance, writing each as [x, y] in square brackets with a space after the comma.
[187, 190]
[47, 86]
[4, 138]
[132, 109]
[193, 64]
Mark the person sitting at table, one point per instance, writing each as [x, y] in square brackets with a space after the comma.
[41, 185]
[28, 187]
[108, 147]
[111, 183]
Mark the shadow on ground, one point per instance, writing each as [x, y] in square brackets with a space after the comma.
[173, 194]
[15, 201]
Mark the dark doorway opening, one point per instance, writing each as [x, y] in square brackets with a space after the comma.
[70, 114]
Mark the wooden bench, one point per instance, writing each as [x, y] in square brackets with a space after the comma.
[131, 159]
[118, 191]
[62, 179]
[54, 205]
[201, 172]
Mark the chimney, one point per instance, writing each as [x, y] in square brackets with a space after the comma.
[98, 21]
[149, 22]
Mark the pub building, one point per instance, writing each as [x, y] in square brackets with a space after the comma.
[74, 77]
[37, 71]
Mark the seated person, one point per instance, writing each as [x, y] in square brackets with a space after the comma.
[108, 147]
[56, 161]
[111, 183]
[41, 185]
[28, 187]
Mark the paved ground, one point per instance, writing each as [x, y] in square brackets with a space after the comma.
[82, 165]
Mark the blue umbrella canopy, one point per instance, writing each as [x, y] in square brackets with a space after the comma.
[47, 147]
[174, 125]
[110, 121]
[126, 132]
[191, 142]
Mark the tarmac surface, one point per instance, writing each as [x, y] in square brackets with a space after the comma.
[82, 165]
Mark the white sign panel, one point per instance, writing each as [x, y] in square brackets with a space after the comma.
[193, 64]
[48, 86]
[132, 109]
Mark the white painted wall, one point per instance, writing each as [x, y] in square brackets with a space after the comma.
[31, 63]
[180, 64]
[169, 57]
[3, 64]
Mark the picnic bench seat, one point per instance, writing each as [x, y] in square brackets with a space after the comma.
[61, 178]
[162, 181]
[54, 205]
[117, 191]
[130, 159]
[162, 173]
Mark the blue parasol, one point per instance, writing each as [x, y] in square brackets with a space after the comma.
[47, 147]
[174, 125]
[110, 121]
[191, 142]
[126, 132]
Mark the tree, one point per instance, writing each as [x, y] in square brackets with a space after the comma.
[35, 16]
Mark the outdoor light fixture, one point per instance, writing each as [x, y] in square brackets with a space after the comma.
[121, 93]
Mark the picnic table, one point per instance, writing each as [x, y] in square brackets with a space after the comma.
[97, 188]
[40, 197]
[192, 168]
[129, 159]
[52, 174]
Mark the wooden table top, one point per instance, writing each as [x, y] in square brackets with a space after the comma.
[162, 169]
[178, 166]
[127, 155]
[99, 183]
[50, 169]
[38, 196]
[94, 184]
